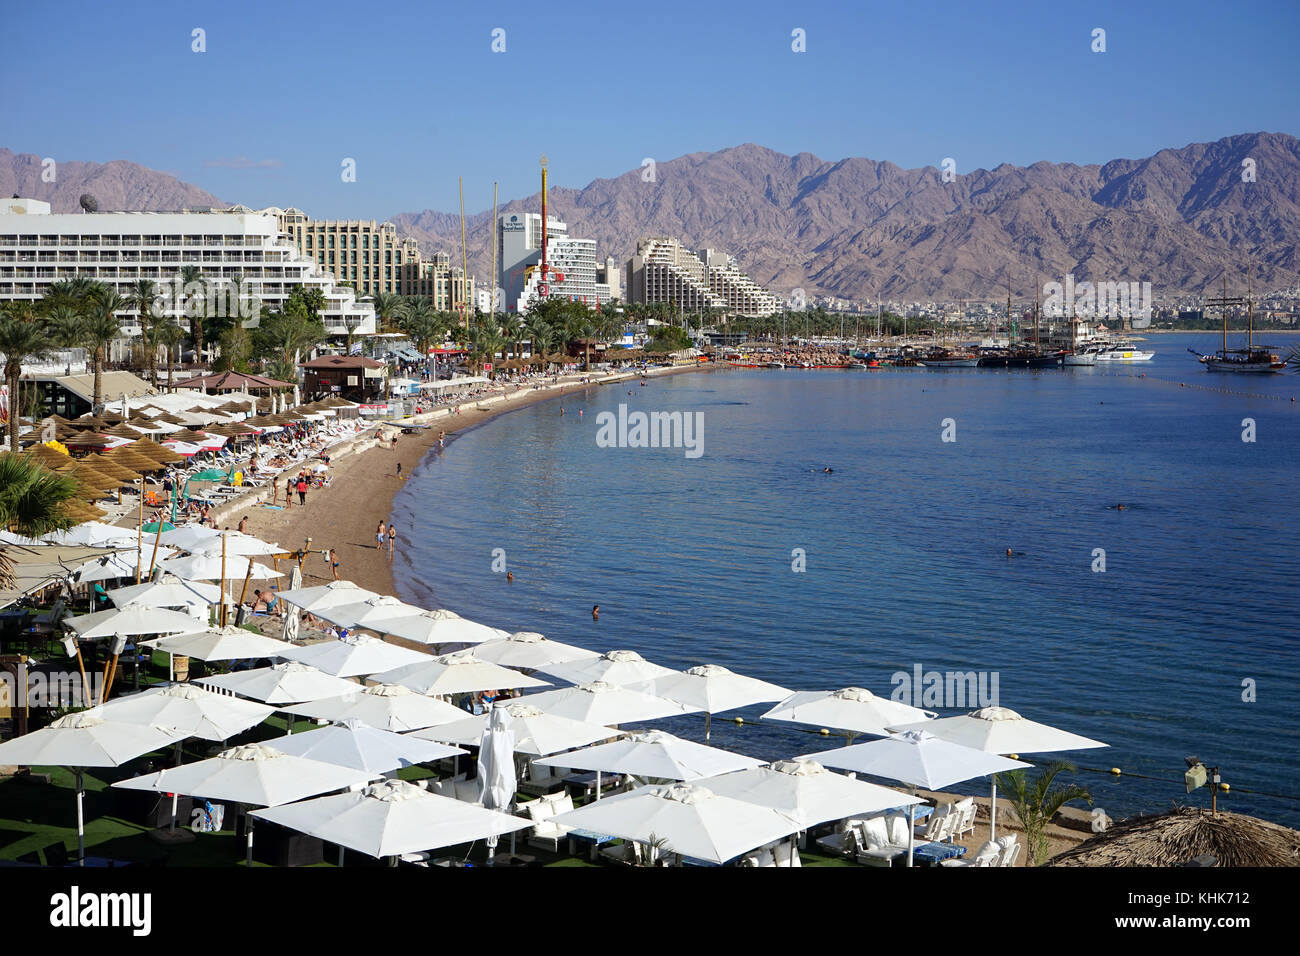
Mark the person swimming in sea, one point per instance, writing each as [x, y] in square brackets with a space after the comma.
[595, 612]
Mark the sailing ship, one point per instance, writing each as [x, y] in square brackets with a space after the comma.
[1253, 358]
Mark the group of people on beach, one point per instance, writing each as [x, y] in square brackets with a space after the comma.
[386, 533]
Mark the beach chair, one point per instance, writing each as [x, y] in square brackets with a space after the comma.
[988, 855]
[878, 849]
[939, 823]
[847, 842]
[1010, 850]
[964, 810]
[546, 834]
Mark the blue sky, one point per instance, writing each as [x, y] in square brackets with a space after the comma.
[414, 93]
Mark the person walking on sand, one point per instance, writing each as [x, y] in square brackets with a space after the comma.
[392, 540]
[302, 489]
[288, 492]
[379, 536]
[399, 471]
[334, 564]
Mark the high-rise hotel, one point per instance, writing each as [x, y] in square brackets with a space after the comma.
[663, 270]
[234, 249]
[573, 271]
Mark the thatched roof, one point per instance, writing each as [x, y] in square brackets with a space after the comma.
[1171, 839]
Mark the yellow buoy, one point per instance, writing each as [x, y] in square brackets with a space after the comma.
[1116, 771]
[739, 720]
[824, 732]
[1224, 787]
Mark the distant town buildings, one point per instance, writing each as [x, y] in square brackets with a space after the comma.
[371, 257]
[663, 270]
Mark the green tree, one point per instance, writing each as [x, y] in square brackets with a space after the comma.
[31, 501]
[388, 307]
[281, 337]
[102, 326]
[195, 305]
[21, 336]
[141, 295]
[1037, 801]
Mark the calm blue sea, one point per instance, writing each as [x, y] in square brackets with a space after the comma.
[691, 560]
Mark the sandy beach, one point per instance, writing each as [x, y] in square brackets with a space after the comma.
[344, 515]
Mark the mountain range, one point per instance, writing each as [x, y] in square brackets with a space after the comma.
[862, 229]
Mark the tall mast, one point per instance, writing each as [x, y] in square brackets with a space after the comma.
[1250, 315]
[494, 252]
[1037, 347]
[544, 228]
[1223, 312]
[464, 259]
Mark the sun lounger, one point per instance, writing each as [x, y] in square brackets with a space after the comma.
[880, 846]
[1010, 850]
[988, 855]
[964, 810]
[547, 834]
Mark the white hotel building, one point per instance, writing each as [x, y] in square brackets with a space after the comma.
[571, 263]
[39, 248]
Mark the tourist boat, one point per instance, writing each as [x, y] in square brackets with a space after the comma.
[776, 365]
[943, 358]
[1077, 358]
[858, 365]
[1123, 352]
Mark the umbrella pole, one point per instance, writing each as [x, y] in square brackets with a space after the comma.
[154, 557]
[139, 534]
[248, 827]
[911, 832]
[81, 821]
[222, 596]
[85, 684]
[597, 784]
[707, 718]
[340, 855]
[993, 809]
[244, 592]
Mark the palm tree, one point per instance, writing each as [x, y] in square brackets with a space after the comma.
[65, 325]
[169, 335]
[196, 306]
[21, 336]
[31, 501]
[101, 328]
[388, 305]
[351, 323]
[281, 338]
[512, 328]
[141, 295]
[1035, 804]
[421, 322]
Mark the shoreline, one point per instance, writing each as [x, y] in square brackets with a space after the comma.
[364, 485]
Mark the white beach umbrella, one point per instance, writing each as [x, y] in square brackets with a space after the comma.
[917, 758]
[81, 740]
[689, 818]
[133, 619]
[381, 608]
[615, 667]
[209, 567]
[530, 651]
[90, 533]
[536, 733]
[120, 564]
[194, 537]
[222, 644]
[436, 627]
[653, 755]
[169, 591]
[236, 545]
[293, 618]
[712, 689]
[607, 704]
[999, 730]
[496, 766]
[808, 792]
[354, 655]
[194, 711]
[392, 818]
[290, 682]
[386, 706]
[322, 596]
[254, 774]
[355, 744]
[459, 673]
[851, 709]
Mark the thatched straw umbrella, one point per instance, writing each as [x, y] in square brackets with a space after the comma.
[151, 449]
[1171, 839]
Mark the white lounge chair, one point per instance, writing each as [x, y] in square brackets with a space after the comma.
[965, 813]
[988, 855]
[786, 853]
[1010, 850]
[880, 848]
[546, 834]
[936, 826]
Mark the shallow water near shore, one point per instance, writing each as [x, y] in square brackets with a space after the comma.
[691, 559]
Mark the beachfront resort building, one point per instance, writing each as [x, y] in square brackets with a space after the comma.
[370, 257]
[573, 271]
[663, 270]
[244, 259]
